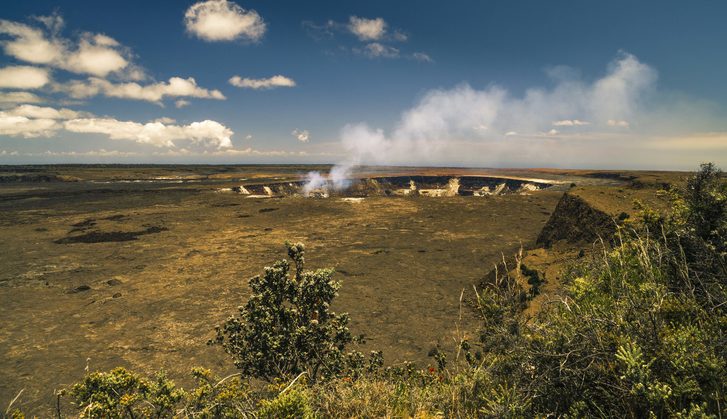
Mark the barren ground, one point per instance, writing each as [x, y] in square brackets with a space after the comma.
[153, 300]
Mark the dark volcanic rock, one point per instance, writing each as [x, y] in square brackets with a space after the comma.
[80, 288]
[576, 222]
[113, 236]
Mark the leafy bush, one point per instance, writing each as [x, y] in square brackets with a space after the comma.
[706, 198]
[287, 326]
[640, 331]
[120, 393]
[229, 397]
[291, 404]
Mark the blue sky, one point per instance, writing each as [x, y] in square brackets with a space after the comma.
[474, 83]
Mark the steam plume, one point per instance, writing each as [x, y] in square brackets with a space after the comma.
[617, 120]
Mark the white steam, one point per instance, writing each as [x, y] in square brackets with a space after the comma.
[338, 179]
[313, 181]
[618, 120]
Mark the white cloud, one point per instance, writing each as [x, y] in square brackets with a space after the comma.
[181, 103]
[570, 123]
[30, 44]
[420, 56]
[175, 87]
[367, 29]
[38, 121]
[301, 135]
[31, 121]
[54, 23]
[165, 120]
[374, 34]
[400, 36]
[19, 97]
[376, 50]
[23, 77]
[618, 123]
[43, 112]
[21, 126]
[207, 133]
[268, 83]
[95, 54]
[222, 20]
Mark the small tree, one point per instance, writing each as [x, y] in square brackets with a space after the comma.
[706, 199]
[287, 326]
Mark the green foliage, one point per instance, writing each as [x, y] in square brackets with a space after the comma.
[639, 332]
[287, 326]
[292, 404]
[215, 398]
[121, 393]
[706, 196]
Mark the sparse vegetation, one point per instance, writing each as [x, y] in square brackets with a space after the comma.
[287, 327]
[640, 330]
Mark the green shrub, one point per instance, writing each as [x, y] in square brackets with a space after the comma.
[639, 331]
[287, 326]
[706, 198]
[120, 393]
[213, 397]
[292, 404]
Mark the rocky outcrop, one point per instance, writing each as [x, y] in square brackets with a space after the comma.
[576, 222]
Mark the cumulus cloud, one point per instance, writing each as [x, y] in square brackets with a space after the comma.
[570, 123]
[420, 56]
[222, 20]
[181, 103]
[38, 121]
[31, 121]
[491, 126]
[30, 44]
[22, 126]
[43, 112]
[23, 77]
[367, 29]
[207, 133]
[373, 33]
[95, 54]
[618, 123]
[175, 87]
[165, 120]
[266, 83]
[301, 135]
[19, 97]
[377, 50]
